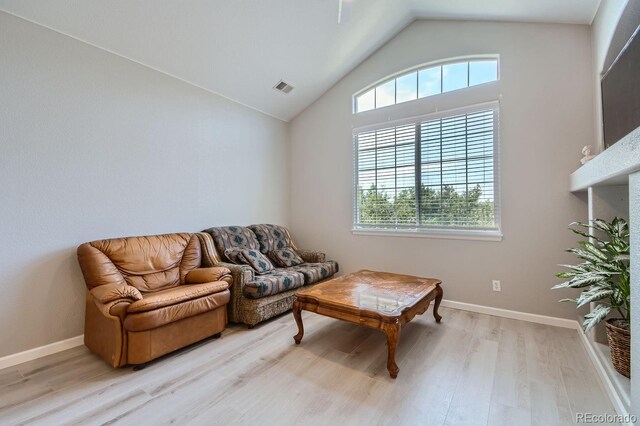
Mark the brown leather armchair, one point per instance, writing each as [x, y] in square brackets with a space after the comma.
[148, 296]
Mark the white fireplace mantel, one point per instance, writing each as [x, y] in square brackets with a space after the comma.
[612, 181]
[611, 167]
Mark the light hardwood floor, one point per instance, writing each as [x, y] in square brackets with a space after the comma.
[471, 369]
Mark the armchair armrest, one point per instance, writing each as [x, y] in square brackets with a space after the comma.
[310, 256]
[207, 275]
[241, 275]
[112, 292]
[210, 256]
[104, 332]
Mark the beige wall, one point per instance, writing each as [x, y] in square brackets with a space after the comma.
[95, 146]
[546, 117]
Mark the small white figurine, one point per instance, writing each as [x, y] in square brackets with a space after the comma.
[586, 151]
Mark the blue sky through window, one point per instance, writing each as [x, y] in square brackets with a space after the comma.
[429, 81]
[406, 89]
[454, 76]
[385, 94]
[482, 72]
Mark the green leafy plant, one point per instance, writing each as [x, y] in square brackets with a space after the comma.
[604, 270]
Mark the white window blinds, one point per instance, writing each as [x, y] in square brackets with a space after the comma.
[387, 176]
[433, 172]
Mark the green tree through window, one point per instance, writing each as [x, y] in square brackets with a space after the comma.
[444, 208]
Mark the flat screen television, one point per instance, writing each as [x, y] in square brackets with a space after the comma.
[621, 93]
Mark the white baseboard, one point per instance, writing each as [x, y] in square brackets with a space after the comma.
[505, 313]
[39, 352]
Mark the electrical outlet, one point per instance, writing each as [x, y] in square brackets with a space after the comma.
[496, 285]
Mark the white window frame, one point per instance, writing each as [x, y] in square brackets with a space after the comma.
[435, 232]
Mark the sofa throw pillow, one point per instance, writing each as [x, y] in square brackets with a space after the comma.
[234, 255]
[285, 257]
[257, 261]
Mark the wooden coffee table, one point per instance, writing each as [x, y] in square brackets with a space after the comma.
[378, 300]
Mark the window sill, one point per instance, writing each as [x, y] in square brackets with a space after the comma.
[441, 234]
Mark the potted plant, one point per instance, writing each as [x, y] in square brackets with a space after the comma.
[604, 273]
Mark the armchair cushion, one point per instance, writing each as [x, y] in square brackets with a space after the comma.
[285, 257]
[273, 283]
[258, 261]
[141, 321]
[110, 292]
[208, 275]
[176, 295]
[314, 272]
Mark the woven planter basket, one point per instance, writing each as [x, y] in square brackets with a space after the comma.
[620, 345]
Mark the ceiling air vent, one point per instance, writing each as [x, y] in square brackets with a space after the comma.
[283, 87]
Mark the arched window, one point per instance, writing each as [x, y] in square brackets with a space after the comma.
[434, 173]
[428, 81]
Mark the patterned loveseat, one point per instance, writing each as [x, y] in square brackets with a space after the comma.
[259, 292]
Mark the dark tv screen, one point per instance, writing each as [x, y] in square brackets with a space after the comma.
[621, 94]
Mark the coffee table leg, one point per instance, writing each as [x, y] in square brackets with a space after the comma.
[297, 314]
[392, 331]
[436, 304]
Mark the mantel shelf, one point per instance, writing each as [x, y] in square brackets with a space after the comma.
[611, 167]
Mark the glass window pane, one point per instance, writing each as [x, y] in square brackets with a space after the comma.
[457, 181]
[405, 154]
[386, 94]
[454, 76]
[366, 140]
[367, 160]
[486, 192]
[480, 170]
[366, 179]
[453, 172]
[386, 179]
[429, 83]
[385, 137]
[386, 157]
[405, 206]
[431, 174]
[482, 72]
[406, 87]
[366, 101]
[406, 177]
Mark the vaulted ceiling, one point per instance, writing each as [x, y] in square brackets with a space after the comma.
[241, 48]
